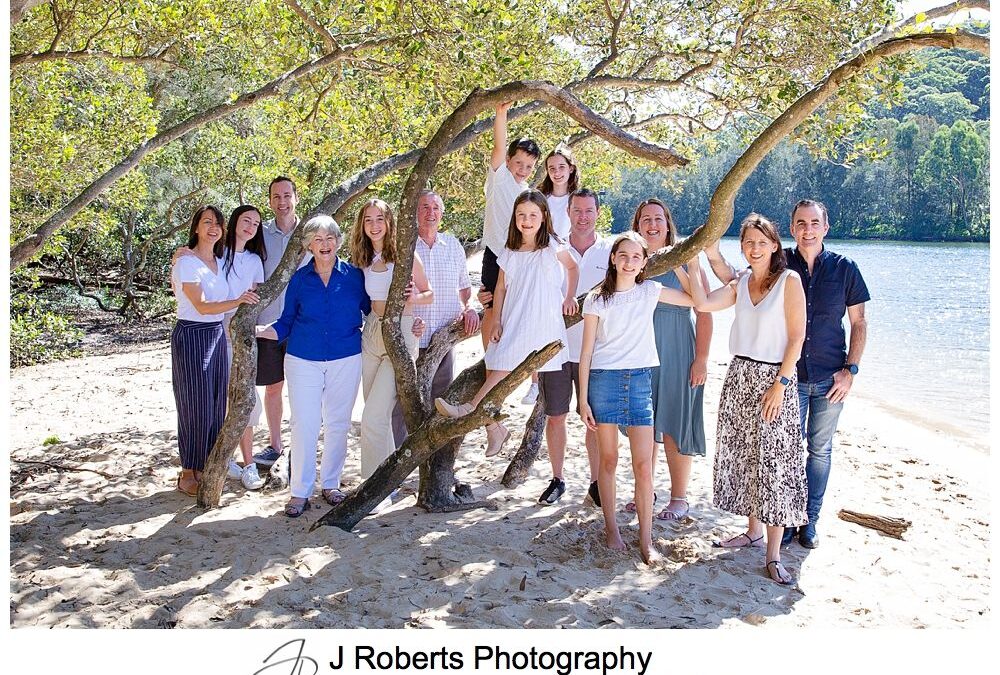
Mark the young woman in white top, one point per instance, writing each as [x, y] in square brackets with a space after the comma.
[562, 177]
[759, 466]
[373, 249]
[616, 361]
[198, 344]
[528, 304]
[243, 262]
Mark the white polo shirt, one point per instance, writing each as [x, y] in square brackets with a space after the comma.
[593, 266]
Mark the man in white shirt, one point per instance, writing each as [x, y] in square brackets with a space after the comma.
[591, 254]
[445, 264]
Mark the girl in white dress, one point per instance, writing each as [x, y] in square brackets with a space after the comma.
[528, 304]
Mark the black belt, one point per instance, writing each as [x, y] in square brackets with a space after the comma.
[766, 363]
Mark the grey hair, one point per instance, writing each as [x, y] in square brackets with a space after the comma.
[431, 193]
[321, 222]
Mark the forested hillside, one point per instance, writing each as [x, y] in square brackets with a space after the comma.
[928, 180]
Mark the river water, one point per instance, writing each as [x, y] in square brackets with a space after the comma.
[927, 356]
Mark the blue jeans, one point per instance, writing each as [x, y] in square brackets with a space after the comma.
[819, 421]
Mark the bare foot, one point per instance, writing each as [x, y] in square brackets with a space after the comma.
[614, 540]
[650, 555]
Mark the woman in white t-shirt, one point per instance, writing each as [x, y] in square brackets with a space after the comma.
[243, 262]
[373, 250]
[197, 344]
[616, 362]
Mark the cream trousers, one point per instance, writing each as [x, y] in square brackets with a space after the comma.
[378, 384]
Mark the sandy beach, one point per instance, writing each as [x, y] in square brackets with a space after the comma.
[99, 537]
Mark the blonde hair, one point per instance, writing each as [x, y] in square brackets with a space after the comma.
[362, 251]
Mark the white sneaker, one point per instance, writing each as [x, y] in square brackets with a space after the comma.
[279, 470]
[531, 396]
[234, 471]
[251, 479]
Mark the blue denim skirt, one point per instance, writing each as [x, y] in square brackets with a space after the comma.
[622, 397]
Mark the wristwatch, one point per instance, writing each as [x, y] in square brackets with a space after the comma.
[783, 380]
[852, 368]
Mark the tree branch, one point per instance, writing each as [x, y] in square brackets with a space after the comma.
[29, 245]
[911, 22]
[21, 60]
[424, 440]
[320, 29]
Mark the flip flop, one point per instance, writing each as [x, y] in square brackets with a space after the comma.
[630, 507]
[296, 510]
[750, 542]
[333, 496]
[778, 569]
[189, 493]
[667, 514]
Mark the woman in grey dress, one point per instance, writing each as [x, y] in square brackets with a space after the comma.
[682, 342]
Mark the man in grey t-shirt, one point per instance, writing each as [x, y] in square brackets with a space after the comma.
[278, 231]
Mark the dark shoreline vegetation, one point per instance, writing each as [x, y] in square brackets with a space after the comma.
[921, 170]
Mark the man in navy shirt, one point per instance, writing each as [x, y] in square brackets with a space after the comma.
[826, 367]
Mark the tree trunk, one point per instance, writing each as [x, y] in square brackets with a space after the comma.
[527, 452]
[440, 491]
[422, 443]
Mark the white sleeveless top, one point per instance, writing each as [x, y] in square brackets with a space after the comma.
[759, 331]
[377, 283]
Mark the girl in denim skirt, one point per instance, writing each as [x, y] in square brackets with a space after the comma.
[616, 362]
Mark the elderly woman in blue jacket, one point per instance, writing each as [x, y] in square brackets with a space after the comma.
[325, 304]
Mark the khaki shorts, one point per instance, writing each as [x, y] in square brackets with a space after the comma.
[558, 386]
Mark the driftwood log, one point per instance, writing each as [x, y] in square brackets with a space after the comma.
[891, 527]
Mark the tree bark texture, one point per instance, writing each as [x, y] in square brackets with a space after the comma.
[531, 443]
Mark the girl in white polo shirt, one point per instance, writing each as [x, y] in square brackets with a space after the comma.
[616, 362]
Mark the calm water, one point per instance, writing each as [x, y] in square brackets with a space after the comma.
[927, 354]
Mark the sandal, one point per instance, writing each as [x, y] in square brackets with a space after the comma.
[750, 542]
[783, 577]
[667, 514]
[189, 492]
[630, 507]
[333, 496]
[293, 510]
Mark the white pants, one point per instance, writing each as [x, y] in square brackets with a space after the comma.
[379, 389]
[320, 393]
